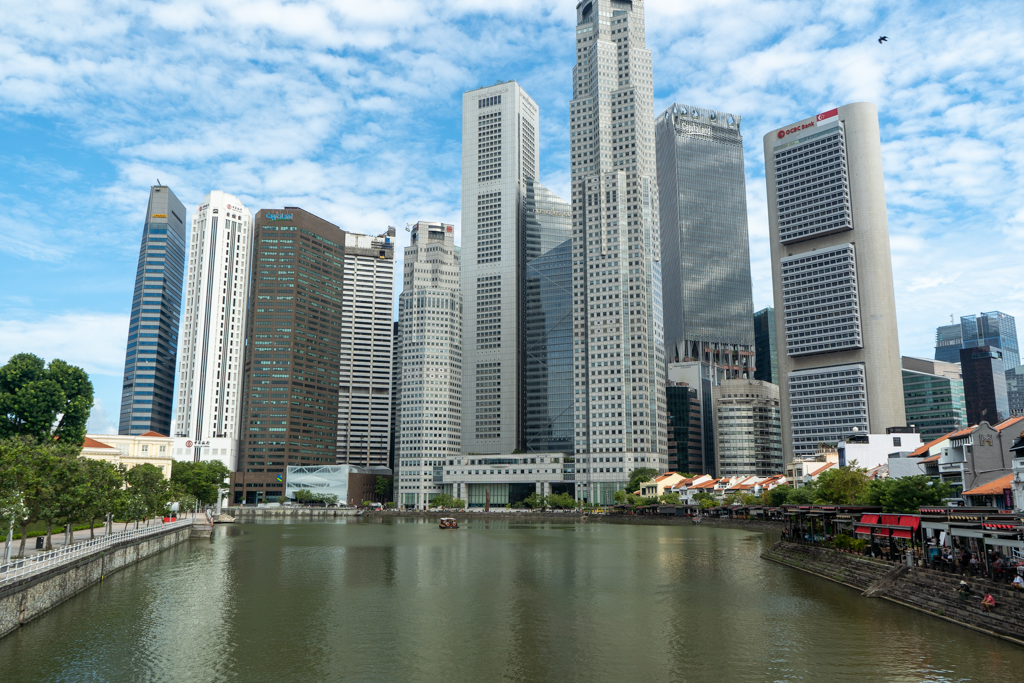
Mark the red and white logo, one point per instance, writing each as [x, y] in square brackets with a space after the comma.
[782, 134]
[188, 444]
[829, 114]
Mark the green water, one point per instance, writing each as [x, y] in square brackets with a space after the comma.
[401, 600]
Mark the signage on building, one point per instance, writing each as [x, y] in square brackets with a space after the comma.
[197, 444]
[272, 216]
[819, 120]
[1008, 499]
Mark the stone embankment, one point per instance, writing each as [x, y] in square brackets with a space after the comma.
[925, 590]
[24, 599]
[241, 514]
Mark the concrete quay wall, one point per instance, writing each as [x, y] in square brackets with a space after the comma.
[23, 600]
[925, 590]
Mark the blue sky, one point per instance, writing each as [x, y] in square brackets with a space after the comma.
[351, 110]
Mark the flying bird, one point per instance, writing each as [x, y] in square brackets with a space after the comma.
[882, 39]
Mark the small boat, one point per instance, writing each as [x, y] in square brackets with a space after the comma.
[448, 523]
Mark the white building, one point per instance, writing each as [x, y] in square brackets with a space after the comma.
[618, 342]
[839, 358]
[872, 450]
[504, 479]
[131, 450]
[364, 365]
[499, 155]
[428, 355]
[212, 328]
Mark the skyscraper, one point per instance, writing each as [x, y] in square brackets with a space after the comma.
[832, 275]
[766, 362]
[148, 389]
[705, 249]
[430, 329]
[302, 300]
[988, 329]
[499, 155]
[547, 319]
[933, 393]
[618, 336]
[1015, 390]
[748, 440]
[213, 329]
[984, 385]
[364, 370]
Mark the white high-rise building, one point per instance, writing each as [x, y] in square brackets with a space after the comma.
[839, 352]
[364, 367]
[212, 330]
[618, 338]
[499, 155]
[429, 359]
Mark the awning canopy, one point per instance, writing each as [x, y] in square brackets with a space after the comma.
[866, 519]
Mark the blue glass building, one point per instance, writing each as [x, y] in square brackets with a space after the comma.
[151, 356]
[547, 321]
[994, 329]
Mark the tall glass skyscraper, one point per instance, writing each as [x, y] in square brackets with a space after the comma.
[148, 390]
[618, 325]
[704, 245]
[767, 364]
[547, 318]
[994, 328]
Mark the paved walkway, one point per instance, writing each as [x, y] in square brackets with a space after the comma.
[57, 539]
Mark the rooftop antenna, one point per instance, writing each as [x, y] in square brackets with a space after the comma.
[158, 182]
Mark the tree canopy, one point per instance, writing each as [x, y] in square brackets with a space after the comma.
[639, 476]
[841, 485]
[45, 402]
[905, 494]
[200, 479]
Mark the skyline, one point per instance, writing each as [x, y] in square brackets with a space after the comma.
[89, 129]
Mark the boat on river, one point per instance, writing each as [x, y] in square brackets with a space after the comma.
[448, 523]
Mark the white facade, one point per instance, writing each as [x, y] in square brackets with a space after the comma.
[504, 479]
[618, 338]
[213, 323]
[872, 450]
[364, 365]
[499, 154]
[223, 449]
[839, 358]
[428, 355]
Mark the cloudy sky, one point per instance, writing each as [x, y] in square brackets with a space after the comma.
[351, 110]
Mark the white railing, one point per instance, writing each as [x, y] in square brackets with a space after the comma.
[43, 561]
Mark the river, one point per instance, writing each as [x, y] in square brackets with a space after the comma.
[401, 600]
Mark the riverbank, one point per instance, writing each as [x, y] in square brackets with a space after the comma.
[925, 590]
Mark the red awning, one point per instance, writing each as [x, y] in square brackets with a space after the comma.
[907, 520]
[866, 519]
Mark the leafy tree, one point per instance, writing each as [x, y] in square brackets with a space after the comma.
[841, 485]
[801, 496]
[68, 494]
[382, 487]
[779, 495]
[445, 500]
[705, 500]
[303, 496]
[619, 497]
[536, 501]
[325, 498]
[670, 498]
[103, 487]
[204, 479]
[561, 500]
[150, 492]
[639, 476]
[44, 402]
[905, 494]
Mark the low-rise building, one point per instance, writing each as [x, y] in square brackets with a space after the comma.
[351, 484]
[803, 472]
[127, 450]
[979, 454]
[659, 485]
[997, 493]
[871, 450]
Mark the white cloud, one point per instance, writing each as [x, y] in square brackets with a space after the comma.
[93, 341]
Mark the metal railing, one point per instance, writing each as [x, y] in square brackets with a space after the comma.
[17, 569]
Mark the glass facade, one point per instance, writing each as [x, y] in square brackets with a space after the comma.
[705, 248]
[1015, 389]
[767, 363]
[547, 319]
[984, 385]
[949, 339]
[934, 404]
[748, 429]
[151, 355]
[994, 329]
[684, 422]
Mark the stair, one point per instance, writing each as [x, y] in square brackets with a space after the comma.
[845, 568]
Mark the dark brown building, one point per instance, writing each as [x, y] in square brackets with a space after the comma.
[984, 385]
[290, 380]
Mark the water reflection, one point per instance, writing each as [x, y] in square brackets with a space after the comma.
[403, 600]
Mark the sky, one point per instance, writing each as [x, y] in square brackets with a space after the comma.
[352, 110]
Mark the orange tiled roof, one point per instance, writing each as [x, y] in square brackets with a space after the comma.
[962, 432]
[993, 488]
[822, 469]
[93, 443]
[923, 450]
[162, 436]
[932, 458]
[1008, 423]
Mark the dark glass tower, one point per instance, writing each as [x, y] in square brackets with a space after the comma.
[704, 245]
[764, 341]
[984, 385]
[547, 321]
[987, 329]
[151, 356]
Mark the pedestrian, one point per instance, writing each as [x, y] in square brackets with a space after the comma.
[988, 602]
[963, 591]
[1018, 583]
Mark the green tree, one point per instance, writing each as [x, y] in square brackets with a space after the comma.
[303, 496]
[44, 402]
[103, 487]
[562, 501]
[905, 494]
[325, 498]
[150, 492]
[204, 479]
[536, 501]
[779, 495]
[670, 498]
[69, 490]
[382, 487]
[841, 485]
[639, 476]
[619, 497]
[705, 500]
[445, 500]
[801, 496]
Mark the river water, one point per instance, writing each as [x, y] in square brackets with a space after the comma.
[401, 600]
